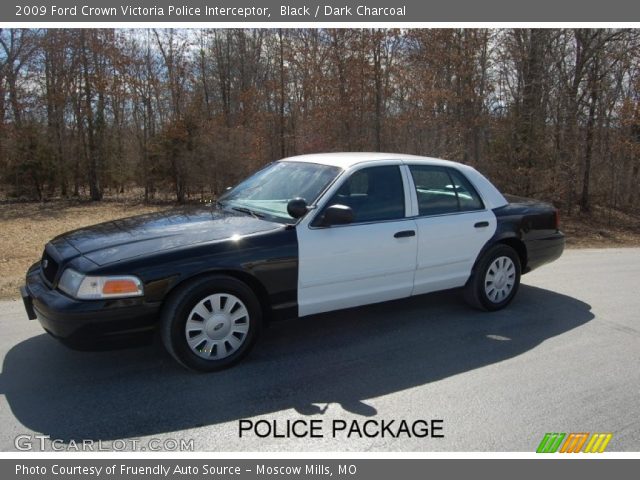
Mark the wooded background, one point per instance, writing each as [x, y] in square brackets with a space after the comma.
[548, 113]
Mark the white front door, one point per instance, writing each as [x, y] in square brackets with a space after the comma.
[371, 260]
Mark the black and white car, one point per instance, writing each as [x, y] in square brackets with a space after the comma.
[304, 235]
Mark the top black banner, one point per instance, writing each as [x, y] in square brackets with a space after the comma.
[312, 11]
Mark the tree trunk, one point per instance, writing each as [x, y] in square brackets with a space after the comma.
[585, 206]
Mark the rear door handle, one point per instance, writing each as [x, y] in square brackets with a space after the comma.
[405, 233]
[481, 224]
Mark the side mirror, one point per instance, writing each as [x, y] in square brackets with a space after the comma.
[297, 207]
[337, 215]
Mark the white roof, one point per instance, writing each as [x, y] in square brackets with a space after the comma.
[345, 160]
[348, 159]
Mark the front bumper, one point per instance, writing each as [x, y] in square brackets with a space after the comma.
[87, 324]
[28, 303]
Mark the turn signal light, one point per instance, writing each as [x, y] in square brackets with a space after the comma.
[118, 287]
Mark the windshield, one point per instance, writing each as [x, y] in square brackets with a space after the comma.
[268, 191]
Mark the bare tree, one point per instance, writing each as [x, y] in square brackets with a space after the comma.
[551, 113]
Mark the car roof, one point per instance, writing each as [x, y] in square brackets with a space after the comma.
[346, 160]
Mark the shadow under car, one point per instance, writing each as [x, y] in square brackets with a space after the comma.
[341, 357]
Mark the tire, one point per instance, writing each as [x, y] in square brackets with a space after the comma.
[495, 280]
[211, 323]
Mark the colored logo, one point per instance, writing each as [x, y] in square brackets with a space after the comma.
[574, 442]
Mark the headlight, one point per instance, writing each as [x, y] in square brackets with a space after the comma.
[86, 287]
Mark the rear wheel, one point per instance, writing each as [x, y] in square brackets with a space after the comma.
[496, 279]
[211, 323]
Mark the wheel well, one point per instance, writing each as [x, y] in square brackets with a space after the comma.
[520, 248]
[253, 283]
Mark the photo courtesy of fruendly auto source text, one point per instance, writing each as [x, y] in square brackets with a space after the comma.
[304, 239]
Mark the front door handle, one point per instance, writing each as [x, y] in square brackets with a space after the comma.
[481, 224]
[405, 233]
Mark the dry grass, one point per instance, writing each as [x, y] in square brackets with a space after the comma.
[603, 228]
[26, 227]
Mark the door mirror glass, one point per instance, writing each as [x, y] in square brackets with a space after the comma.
[297, 207]
[337, 215]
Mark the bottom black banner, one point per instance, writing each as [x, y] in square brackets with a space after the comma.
[360, 469]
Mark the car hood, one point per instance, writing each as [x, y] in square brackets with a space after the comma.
[144, 234]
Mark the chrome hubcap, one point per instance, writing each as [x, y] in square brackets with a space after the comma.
[217, 326]
[500, 279]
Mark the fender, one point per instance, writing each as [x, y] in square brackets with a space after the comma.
[267, 261]
[508, 231]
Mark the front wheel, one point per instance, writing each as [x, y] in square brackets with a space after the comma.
[211, 323]
[496, 279]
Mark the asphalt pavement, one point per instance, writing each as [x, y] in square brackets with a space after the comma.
[563, 357]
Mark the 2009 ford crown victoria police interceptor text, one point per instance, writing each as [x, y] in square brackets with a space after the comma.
[304, 235]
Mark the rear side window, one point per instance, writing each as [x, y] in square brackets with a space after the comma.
[443, 190]
[374, 194]
[467, 195]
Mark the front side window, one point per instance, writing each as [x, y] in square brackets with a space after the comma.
[268, 191]
[443, 190]
[374, 194]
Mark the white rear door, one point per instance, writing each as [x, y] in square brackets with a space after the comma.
[452, 227]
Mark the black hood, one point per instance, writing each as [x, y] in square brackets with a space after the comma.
[145, 234]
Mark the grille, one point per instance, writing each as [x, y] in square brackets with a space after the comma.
[49, 267]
